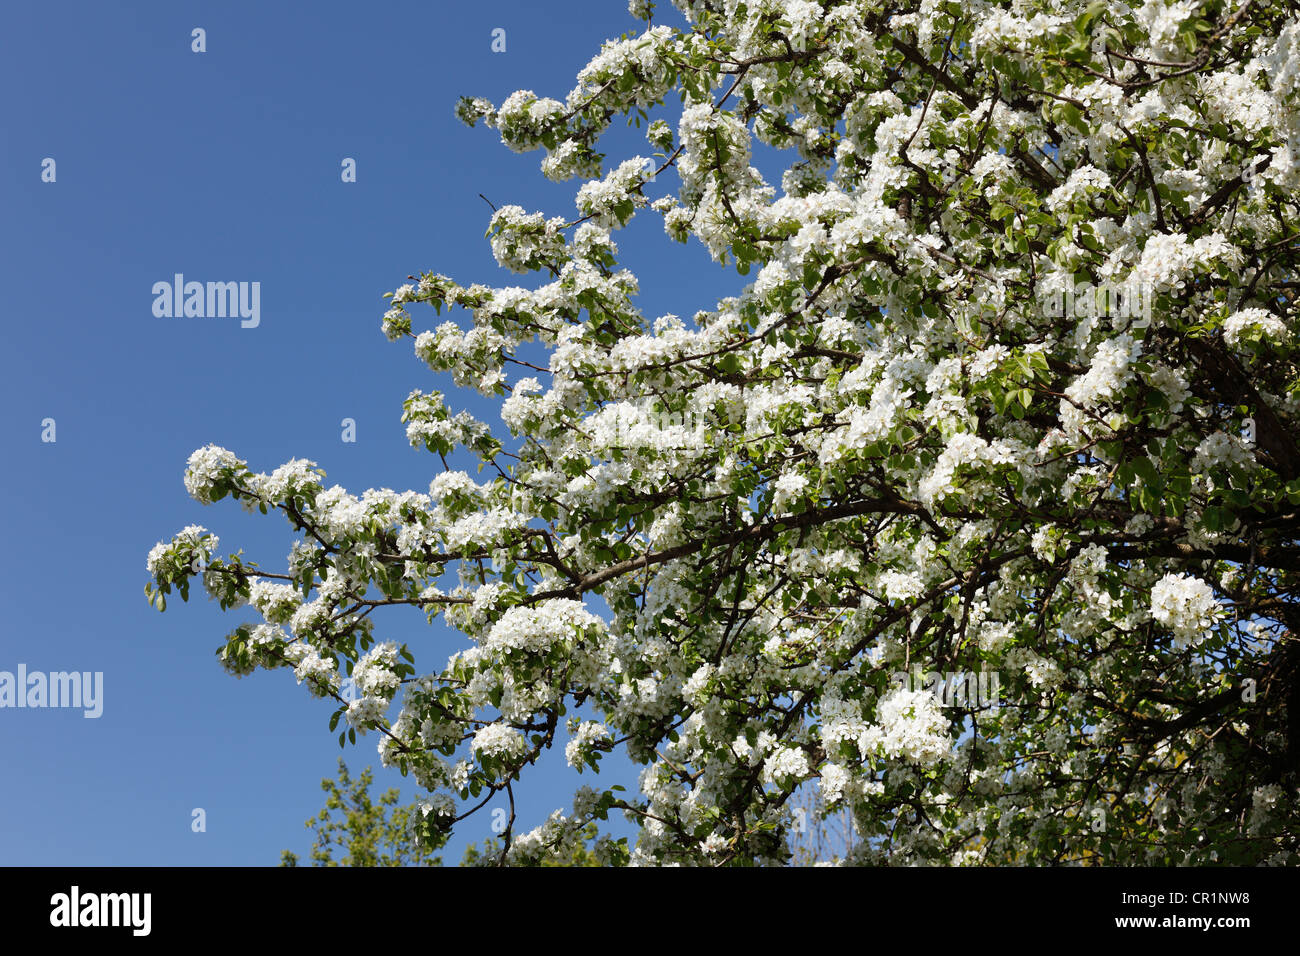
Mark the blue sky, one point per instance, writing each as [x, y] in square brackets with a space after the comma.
[225, 166]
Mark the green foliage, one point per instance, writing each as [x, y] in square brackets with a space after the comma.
[380, 834]
[365, 833]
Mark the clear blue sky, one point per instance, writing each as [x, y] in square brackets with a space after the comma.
[225, 166]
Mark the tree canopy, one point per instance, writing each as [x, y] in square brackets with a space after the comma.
[371, 834]
[1011, 391]
[368, 833]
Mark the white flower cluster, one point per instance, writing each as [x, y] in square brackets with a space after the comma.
[900, 586]
[1234, 98]
[1162, 19]
[1169, 260]
[374, 675]
[1045, 541]
[964, 452]
[292, 478]
[911, 726]
[1255, 325]
[498, 740]
[785, 765]
[1082, 183]
[540, 627]
[1219, 451]
[524, 119]
[321, 673]
[1186, 605]
[275, 602]
[366, 713]
[1110, 372]
[184, 553]
[1006, 30]
[523, 242]
[610, 201]
[1263, 802]
[786, 490]
[206, 468]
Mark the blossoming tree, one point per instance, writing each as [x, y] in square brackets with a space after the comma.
[1012, 389]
